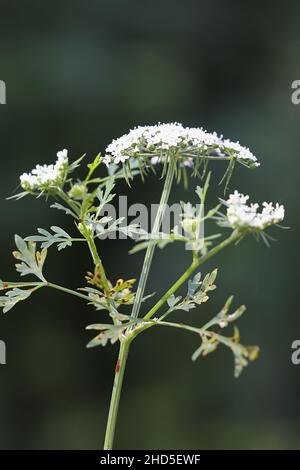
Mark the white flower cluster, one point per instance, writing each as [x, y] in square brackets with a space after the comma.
[43, 177]
[240, 215]
[188, 142]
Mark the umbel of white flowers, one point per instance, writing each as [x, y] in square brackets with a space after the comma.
[186, 142]
[43, 177]
[240, 215]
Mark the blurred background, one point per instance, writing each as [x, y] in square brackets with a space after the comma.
[79, 74]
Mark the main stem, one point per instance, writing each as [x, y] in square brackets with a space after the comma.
[151, 247]
[125, 344]
[116, 394]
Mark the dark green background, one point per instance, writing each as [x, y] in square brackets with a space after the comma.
[79, 73]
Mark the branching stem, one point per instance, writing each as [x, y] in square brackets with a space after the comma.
[195, 264]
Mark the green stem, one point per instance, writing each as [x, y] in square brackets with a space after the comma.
[207, 157]
[182, 326]
[195, 264]
[124, 348]
[171, 291]
[151, 247]
[92, 246]
[96, 258]
[38, 285]
[66, 290]
[90, 240]
[9, 285]
[116, 394]
[72, 205]
[203, 331]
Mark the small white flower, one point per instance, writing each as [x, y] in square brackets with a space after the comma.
[45, 177]
[107, 160]
[241, 215]
[154, 160]
[186, 142]
[62, 154]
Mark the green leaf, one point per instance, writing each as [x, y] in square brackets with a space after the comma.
[96, 298]
[132, 230]
[197, 290]
[143, 245]
[242, 354]
[202, 192]
[108, 333]
[12, 297]
[208, 346]
[76, 164]
[237, 314]
[60, 237]
[60, 207]
[208, 281]
[18, 196]
[228, 174]
[196, 295]
[105, 196]
[194, 284]
[223, 318]
[103, 225]
[93, 166]
[172, 301]
[32, 261]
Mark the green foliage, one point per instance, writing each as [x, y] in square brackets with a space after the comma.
[47, 239]
[108, 333]
[105, 196]
[228, 174]
[93, 166]
[12, 297]
[196, 295]
[66, 210]
[211, 340]
[192, 218]
[32, 261]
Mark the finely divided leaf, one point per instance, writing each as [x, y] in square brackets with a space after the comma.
[194, 284]
[32, 261]
[172, 301]
[107, 332]
[12, 297]
[105, 196]
[242, 354]
[60, 207]
[60, 237]
[207, 346]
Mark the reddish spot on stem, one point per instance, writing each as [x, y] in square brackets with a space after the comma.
[117, 369]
